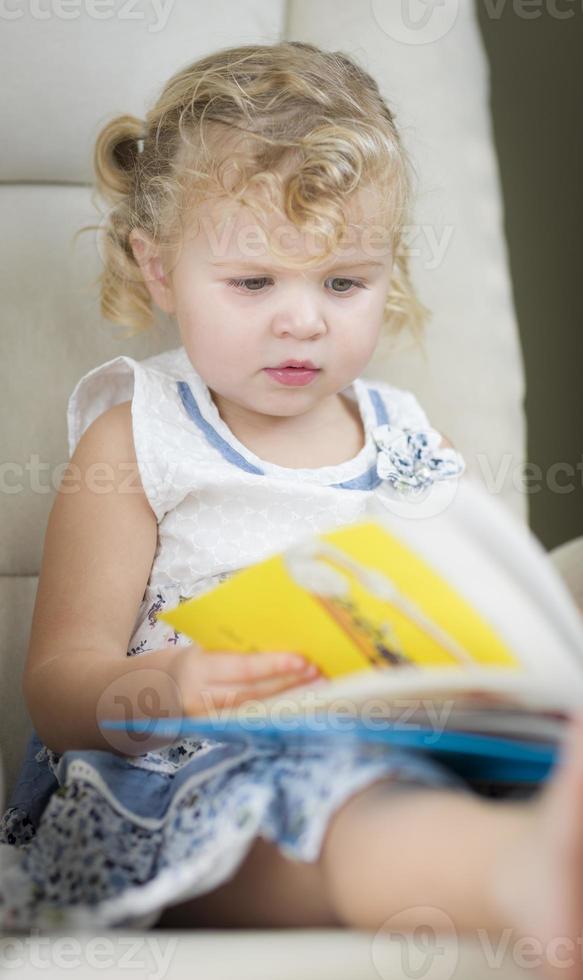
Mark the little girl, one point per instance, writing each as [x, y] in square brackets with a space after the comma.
[261, 205]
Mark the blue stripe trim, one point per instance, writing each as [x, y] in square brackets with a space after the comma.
[189, 402]
[366, 481]
[369, 479]
[379, 406]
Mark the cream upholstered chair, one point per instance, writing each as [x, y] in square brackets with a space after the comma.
[70, 67]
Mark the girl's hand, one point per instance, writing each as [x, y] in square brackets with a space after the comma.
[208, 681]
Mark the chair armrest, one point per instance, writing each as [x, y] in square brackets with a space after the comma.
[568, 560]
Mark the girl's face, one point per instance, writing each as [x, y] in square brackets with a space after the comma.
[241, 310]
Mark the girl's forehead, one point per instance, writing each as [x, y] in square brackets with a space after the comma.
[224, 229]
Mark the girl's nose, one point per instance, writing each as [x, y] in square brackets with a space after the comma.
[299, 314]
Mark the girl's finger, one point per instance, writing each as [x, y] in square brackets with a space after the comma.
[224, 696]
[237, 668]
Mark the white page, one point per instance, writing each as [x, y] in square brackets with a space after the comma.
[526, 560]
[367, 690]
[468, 541]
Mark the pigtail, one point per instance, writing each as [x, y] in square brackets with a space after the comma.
[115, 156]
[124, 296]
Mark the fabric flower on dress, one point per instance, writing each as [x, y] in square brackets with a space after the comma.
[410, 460]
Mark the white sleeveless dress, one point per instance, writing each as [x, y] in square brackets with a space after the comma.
[100, 839]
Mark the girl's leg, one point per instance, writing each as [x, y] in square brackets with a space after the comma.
[267, 891]
[389, 846]
[489, 865]
[401, 855]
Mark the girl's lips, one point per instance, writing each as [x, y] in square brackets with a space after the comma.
[292, 377]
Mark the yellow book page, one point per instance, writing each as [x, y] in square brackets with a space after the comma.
[352, 599]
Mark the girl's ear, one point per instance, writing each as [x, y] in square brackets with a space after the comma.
[147, 255]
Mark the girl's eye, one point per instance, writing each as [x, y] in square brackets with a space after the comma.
[261, 279]
[352, 282]
[244, 282]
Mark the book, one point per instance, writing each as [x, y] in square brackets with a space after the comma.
[437, 621]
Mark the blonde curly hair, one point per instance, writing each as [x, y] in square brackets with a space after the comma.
[228, 126]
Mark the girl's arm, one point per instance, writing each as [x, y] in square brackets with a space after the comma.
[98, 552]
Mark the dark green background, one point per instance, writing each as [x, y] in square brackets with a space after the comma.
[537, 106]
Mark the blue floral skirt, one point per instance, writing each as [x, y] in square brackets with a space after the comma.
[93, 838]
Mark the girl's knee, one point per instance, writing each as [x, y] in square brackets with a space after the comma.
[351, 851]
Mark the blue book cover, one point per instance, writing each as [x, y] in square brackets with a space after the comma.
[476, 757]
